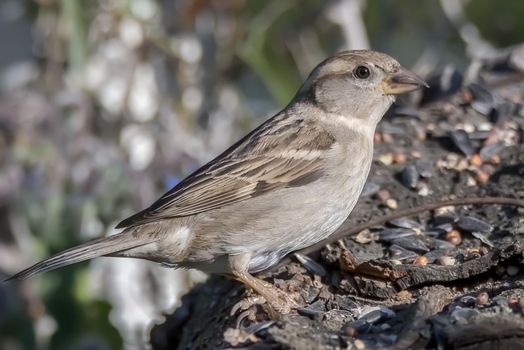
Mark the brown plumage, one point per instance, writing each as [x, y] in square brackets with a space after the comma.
[287, 185]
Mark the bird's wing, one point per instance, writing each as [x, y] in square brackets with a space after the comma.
[283, 152]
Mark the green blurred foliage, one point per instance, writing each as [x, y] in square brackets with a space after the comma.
[500, 22]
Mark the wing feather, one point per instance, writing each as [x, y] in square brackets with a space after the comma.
[283, 152]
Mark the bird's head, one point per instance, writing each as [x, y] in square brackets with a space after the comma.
[358, 84]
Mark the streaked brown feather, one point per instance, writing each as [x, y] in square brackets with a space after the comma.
[283, 152]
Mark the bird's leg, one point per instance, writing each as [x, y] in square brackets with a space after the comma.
[277, 299]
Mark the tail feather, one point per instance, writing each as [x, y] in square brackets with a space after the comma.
[89, 250]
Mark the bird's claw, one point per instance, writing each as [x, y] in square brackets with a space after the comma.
[247, 303]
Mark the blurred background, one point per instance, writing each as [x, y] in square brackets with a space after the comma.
[104, 105]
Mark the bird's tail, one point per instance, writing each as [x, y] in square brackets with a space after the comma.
[89, 250]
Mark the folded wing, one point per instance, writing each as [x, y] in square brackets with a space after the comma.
[283, 152]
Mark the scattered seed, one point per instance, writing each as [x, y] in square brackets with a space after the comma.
[392, 203]
[386, 159]
[441, 244]
[414, 245]
[475, 160]
[390, 234]
[416, 154]
[359, 344]
[471, 182]
[445, 217]
[424, 168]
[387, 138]
[454, 237]
[476, 252]
[482, 298]
[258, 327]
[491, 150]
[434, 232]
[364, 237]
[311, 265]
[421, 260]
[433, 255]
[445, 260]
[513, 301]
[462, 165]
[494, 159]
[482, 107]
[377, 315]
[399, 253]
[445, 227]
[423, 190]
[410, 176]
[350, 331]
[309, 311]
[405, 223]
[483, 100]
[482, 238]
[399, 158]
[482, 177]
[480, 134]
[471, 224]
[461, 139]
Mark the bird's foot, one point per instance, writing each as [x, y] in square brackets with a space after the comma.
[275, 303]
[280, 301]
[247, 303]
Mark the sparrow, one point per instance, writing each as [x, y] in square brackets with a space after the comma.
[288, 184]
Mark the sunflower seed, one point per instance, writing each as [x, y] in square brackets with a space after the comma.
[399, 253]
[471, 224]
[482, 107]
[482, 238]
[461, 139]
[424, 168]
[311, 265]
[445, 227]
[411, 244]
[492, 149]
[479, 135]
[405, 223]
[441, 244]
[481, 93]
[390, 234]
[445, 218]
[375, 316]
[433, 255]
[410, 176]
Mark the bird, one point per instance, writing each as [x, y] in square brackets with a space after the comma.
[288, 184]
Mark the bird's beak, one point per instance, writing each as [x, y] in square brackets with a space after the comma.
[401, 81]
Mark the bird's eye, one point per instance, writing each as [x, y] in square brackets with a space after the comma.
[361, 72]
